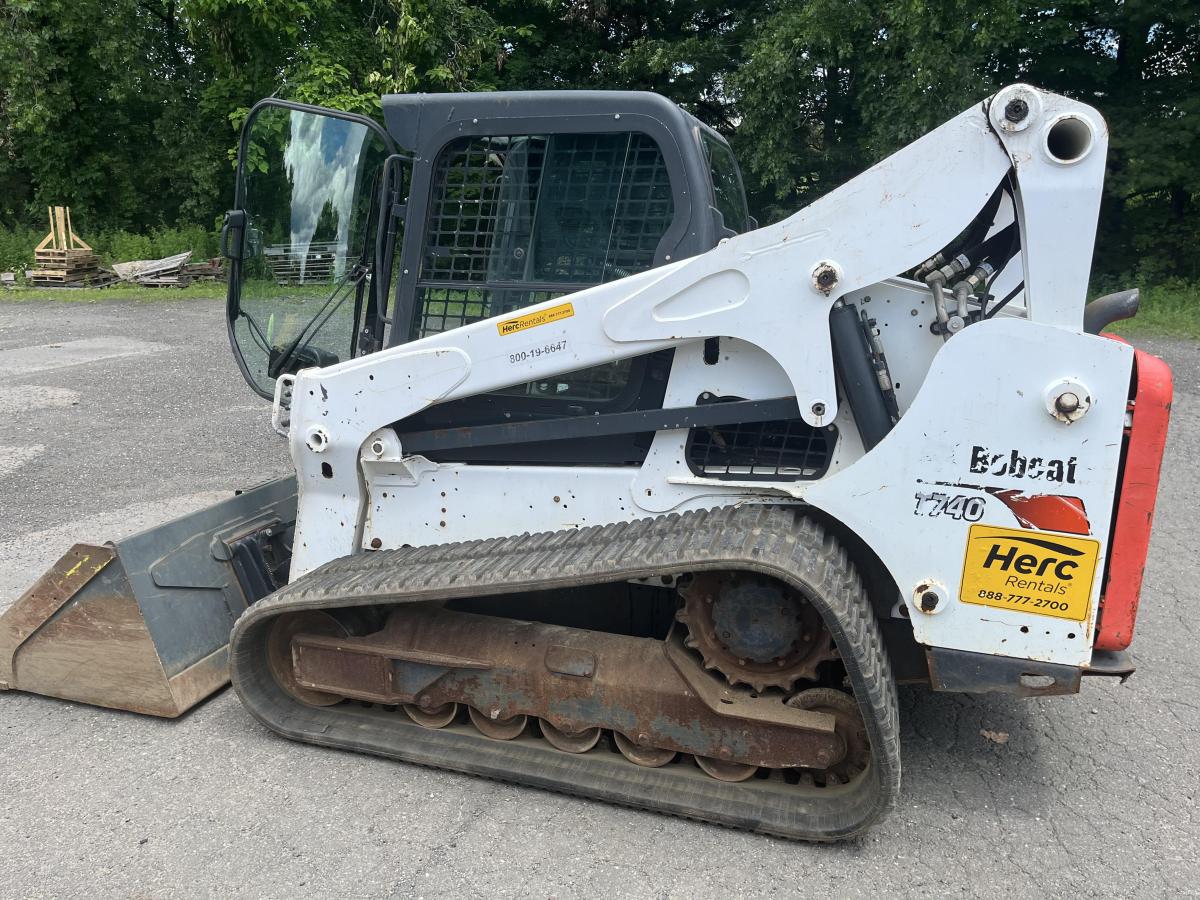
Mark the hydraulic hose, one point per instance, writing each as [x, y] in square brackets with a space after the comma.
[860, 381]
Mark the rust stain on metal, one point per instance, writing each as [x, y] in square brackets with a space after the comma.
[780, 637]
[97, 652]
[655, 694]
[47, 596]
[571, 661]
[825, 278]
[78, 637]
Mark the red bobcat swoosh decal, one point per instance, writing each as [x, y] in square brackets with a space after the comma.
[1048, 512]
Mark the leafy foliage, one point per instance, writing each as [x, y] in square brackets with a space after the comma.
[112, 245]
[16, 247]
[128, 110]
[436, 45]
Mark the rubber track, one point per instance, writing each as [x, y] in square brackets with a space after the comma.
[776, 541]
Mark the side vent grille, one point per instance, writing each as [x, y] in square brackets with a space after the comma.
[782, 450]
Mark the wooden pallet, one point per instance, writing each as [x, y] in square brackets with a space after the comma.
[102, 279]
[55, 257]
[62, 275]
[95, 277]
[63, 257]
[209, 270]
[320, 264]
[74, 273]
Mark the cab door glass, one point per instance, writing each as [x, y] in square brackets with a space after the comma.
[728, 192]
[308, 185]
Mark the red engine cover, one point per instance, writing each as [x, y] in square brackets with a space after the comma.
[1150, 408]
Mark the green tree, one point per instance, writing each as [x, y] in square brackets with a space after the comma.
[439, 45]
[827, 88]
[96, 100]
[1139, 63]
[128, 110]
[686, 50]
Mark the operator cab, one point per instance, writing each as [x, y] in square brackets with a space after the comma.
[517, 198]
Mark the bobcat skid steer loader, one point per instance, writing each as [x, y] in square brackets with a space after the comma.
[602, 488]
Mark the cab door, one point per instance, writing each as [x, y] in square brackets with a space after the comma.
[305, 239]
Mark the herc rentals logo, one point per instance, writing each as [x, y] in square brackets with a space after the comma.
[534, 319]
[1033, 572]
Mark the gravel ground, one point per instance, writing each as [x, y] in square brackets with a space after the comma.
[116, 416]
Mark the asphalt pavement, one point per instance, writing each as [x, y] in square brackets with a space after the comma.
[116, 416]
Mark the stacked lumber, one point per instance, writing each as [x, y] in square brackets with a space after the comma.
[316, 263]
[165, 272]
[208, 270]
[63, 259]
[170, 271]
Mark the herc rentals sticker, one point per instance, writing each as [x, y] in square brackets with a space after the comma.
[534, 319]
[1029, 571]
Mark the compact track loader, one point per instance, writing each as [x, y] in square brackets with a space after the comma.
[602, 488]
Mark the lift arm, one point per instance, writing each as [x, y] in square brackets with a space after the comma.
[772, 288]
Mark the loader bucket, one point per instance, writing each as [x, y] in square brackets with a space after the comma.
[142, 624]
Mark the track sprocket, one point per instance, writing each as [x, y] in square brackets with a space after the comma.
[754, 630]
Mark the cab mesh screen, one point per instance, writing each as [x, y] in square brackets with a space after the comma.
[518, 220]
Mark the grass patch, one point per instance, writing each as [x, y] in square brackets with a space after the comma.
[1171, 309]
[17, 243]
[255, 292]
[203, 290]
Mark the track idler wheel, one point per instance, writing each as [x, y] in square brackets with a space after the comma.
[497, 729]
[848, 724]
[438, 717]
[650, 757]
[279, 652]
[570, 741]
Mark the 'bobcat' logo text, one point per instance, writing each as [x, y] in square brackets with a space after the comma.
[1013, 464]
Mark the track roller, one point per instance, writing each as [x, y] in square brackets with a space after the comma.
[570, 741]
[438, 717]
[726, 771]
[497, 729]
[650, 757]
[654, 695]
